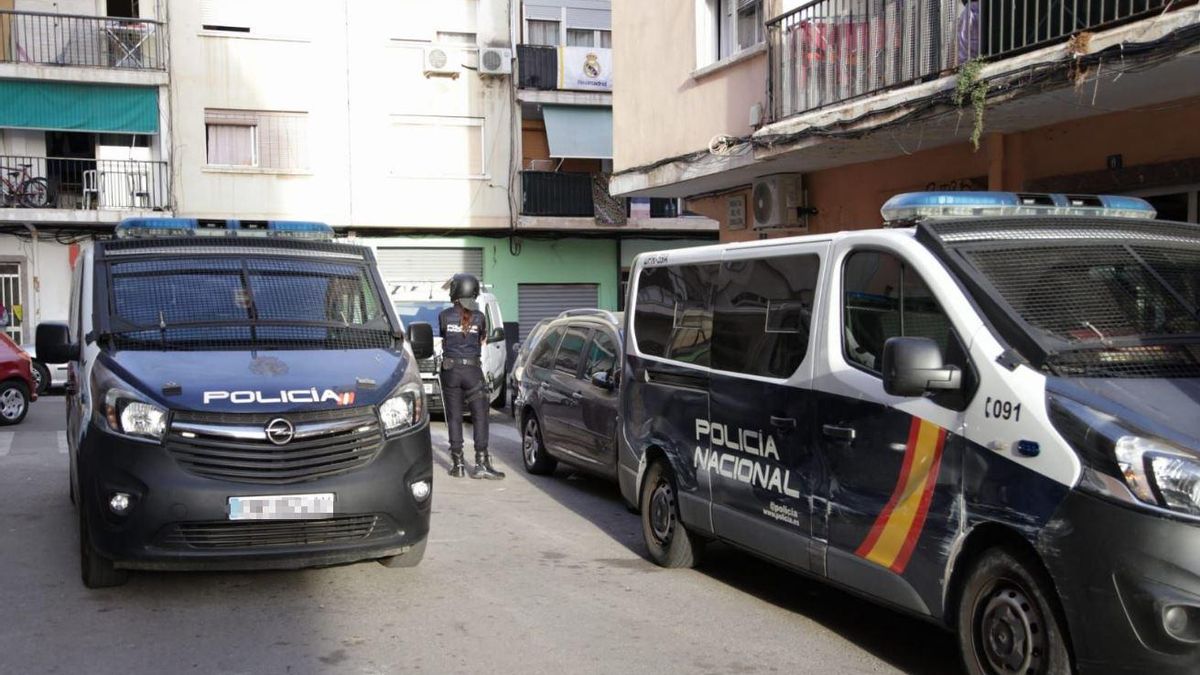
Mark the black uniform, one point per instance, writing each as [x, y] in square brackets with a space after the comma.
[462, 377]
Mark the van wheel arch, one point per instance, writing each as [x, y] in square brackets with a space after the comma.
[649, 457]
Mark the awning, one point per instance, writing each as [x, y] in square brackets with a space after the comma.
[578, 132]
[73, 106]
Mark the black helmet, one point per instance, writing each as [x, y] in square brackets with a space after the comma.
[463, 286]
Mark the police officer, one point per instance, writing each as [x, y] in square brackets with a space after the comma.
[463, 336]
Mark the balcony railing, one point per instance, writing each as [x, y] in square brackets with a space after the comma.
[83, 184]
[582, 68]
[537, 67]
[73, 40]
[546, 193]
[830, 51]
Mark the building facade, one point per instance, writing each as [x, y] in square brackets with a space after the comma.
[791, 117]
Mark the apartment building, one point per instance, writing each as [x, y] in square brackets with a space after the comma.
[84, 139]
[781, 117]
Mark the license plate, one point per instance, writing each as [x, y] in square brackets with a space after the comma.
[428, 387]
[281, 507]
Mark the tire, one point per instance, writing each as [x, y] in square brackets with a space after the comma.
[41, 377]
[14, 402]
[410, 559]
[1008, 619]
[35, 193]
[533, 450]
[667, 539]
[96, 570]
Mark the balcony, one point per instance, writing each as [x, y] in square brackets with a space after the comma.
[831, 51]
[582, 69]
[81, 185]
[565, 195]
[82, 41]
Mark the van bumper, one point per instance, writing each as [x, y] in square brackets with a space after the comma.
[1118, 570]
[180, 521]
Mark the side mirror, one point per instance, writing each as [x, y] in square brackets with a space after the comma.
[912, 366]
[604, 380]
[53, 343]
[496, 335]
[420, 335]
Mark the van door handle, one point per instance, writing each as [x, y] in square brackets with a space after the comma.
[844, 434]
[784, 424]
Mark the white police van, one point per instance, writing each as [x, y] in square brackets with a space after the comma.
[987, 415]
[240, 395]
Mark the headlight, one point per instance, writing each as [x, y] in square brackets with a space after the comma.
[404, 409]
[1160, 474]
[125, 411]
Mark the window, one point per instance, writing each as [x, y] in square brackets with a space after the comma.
[577, 37]
[543, 353]
[262, 18]
[884, 298]
[605, 39]
[673, 318]
[247, 138]
[602, 356]
[745, 24]
[542, 33]
[726, 27]
[762, 314]
[570, 351]
[437, 147]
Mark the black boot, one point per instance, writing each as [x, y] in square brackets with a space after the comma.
[458, 468]
[483, 467]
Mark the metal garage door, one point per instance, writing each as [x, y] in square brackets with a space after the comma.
[538, 301]
[427, 264]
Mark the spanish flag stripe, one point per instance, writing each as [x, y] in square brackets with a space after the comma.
[899, 525]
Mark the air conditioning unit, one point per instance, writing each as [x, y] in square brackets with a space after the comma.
[495, 61]
[439, 61]
[778, 200]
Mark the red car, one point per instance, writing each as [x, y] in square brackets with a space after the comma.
[16, 382]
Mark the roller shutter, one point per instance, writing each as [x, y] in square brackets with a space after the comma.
[539, 301]
[427, 264]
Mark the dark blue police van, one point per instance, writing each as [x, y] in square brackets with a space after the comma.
[987, 415]
[241, 396]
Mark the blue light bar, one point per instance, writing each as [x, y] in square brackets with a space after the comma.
[912, 206]
[145, 228]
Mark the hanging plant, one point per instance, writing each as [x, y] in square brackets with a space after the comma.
[969, 88]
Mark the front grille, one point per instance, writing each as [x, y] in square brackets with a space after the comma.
[221, 534]
[234, 447]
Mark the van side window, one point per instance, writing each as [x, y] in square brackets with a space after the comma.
[885, 298]
[570, 351]
[762, 314]
[674, 318]
[543, 353]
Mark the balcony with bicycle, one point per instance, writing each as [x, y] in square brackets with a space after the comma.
[72, 47]
[80, 190]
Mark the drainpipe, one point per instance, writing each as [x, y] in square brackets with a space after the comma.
[35, 284]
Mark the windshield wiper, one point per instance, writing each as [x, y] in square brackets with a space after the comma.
[1126, 343]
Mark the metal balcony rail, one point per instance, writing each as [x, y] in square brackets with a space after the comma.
[75, 40]
[546, 193]
[537, 67]
[83, 184]
[830, 51]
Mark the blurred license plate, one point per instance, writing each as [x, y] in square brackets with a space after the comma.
[281, 507]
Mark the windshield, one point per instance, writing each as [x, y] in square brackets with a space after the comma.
[411, 311]
[1116, 309]
[229, 302]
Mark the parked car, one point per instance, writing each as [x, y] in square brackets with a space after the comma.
[45, 375]
[17, 386]
[521, 352]
[567, 395]
[423, 302]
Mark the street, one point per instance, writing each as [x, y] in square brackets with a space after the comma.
[530, 575]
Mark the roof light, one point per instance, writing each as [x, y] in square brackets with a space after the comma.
[912, 206]
[146, 228]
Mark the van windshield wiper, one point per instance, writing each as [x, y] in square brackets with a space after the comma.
[1103, 343]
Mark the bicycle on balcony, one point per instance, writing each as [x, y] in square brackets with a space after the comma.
[19, 188]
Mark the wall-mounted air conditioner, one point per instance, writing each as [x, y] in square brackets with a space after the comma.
[495, 61]
[778, 201]
[439, 62]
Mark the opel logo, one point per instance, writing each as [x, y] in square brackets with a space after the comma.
[280, 431]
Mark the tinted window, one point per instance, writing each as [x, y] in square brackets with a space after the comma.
[602, 355]
[543, 353]
[884, 298]
[570, 350]
[674, 312]
[762, 314]
[412, 311]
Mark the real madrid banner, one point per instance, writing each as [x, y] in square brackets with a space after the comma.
[585, 68]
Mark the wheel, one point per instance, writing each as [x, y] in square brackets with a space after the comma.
[35, 193]
[1007, 619]
[411, 558]
[96, 570]
[533, 451]
[14, 402]
[41, 377]
[668, 540]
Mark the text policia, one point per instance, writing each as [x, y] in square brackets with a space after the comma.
[754, 472]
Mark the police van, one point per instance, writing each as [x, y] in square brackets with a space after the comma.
[987, 415]
[240, 396]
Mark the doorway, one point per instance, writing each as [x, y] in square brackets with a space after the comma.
[71, 161]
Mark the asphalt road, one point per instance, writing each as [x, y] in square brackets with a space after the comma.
[527, 575]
